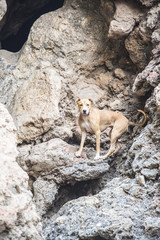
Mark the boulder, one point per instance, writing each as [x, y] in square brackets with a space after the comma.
[3, 8]
[35, 105]
[53, 164]
[126, 16]
[18, 216]
[117, 212]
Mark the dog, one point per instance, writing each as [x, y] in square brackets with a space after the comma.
[94, 120]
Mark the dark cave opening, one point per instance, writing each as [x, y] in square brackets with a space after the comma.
[99, 238]
[14, 42]
[69, 192]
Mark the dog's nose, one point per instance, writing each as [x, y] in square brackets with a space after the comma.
[84, 111]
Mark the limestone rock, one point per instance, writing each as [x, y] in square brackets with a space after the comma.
[148, 3]
[44, 194]
[157, 97]
[111, 214]
[53, 164]
[15, 199]
[119, 73]
[138, 45]
[3, 8]
[150, 173]
[57, 159]
[144, 152]
[125, 18]
[152, 226]
[35, 106]
[149, 77]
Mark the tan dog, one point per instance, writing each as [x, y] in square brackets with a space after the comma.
[95, 121]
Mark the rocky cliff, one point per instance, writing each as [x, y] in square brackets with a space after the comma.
[108, 51]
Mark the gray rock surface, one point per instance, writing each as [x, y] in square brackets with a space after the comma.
[3, 8]
[120, 211]
[125, 18]
[53, 164]
[149, 77]
[44, 194]
[57, 159]
[18, 216]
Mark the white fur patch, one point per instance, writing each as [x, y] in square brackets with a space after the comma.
[86, 126]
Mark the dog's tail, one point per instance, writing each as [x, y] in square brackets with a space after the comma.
[139, 124]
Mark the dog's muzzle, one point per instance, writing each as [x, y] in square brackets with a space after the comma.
[85, 112]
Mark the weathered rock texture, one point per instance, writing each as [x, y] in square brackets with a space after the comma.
[18, 217]
[109, 51]
[108, 215]
[3, 8]
[53, 163]
[125, 18]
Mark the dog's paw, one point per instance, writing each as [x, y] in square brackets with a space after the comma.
[78, 154]
[97, 157]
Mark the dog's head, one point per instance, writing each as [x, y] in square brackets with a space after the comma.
[84, 106]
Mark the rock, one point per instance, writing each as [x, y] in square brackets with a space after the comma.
[53, 164]
[110, 214]
[15, 198]
[141, 180]
[116, 105]
[152, 226]
[57, 159]
[3, 8]
[44, 194]
[148, 3]
[125, 18]
[145, 154]
[157, 97]
[138, 45]
[35, 106]
[150, 173]
[119, 73]
[9, 86]
[149, 77]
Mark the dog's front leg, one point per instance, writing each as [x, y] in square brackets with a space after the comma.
[83, 137]
[98, 133]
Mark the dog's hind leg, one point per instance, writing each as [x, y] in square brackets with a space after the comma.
[116, 132]
[110, 151]
[119, 146]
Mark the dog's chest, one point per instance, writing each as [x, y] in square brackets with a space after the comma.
[86, 125]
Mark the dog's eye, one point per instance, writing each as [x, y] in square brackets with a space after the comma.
[87, 105]
[81, 105]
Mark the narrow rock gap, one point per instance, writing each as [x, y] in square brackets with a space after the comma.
[14, 41]
[70, 192]
[97, 238]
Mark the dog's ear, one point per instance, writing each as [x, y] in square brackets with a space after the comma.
[90, 100]
[78, 100]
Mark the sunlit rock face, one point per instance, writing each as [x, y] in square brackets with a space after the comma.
[18, 214]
